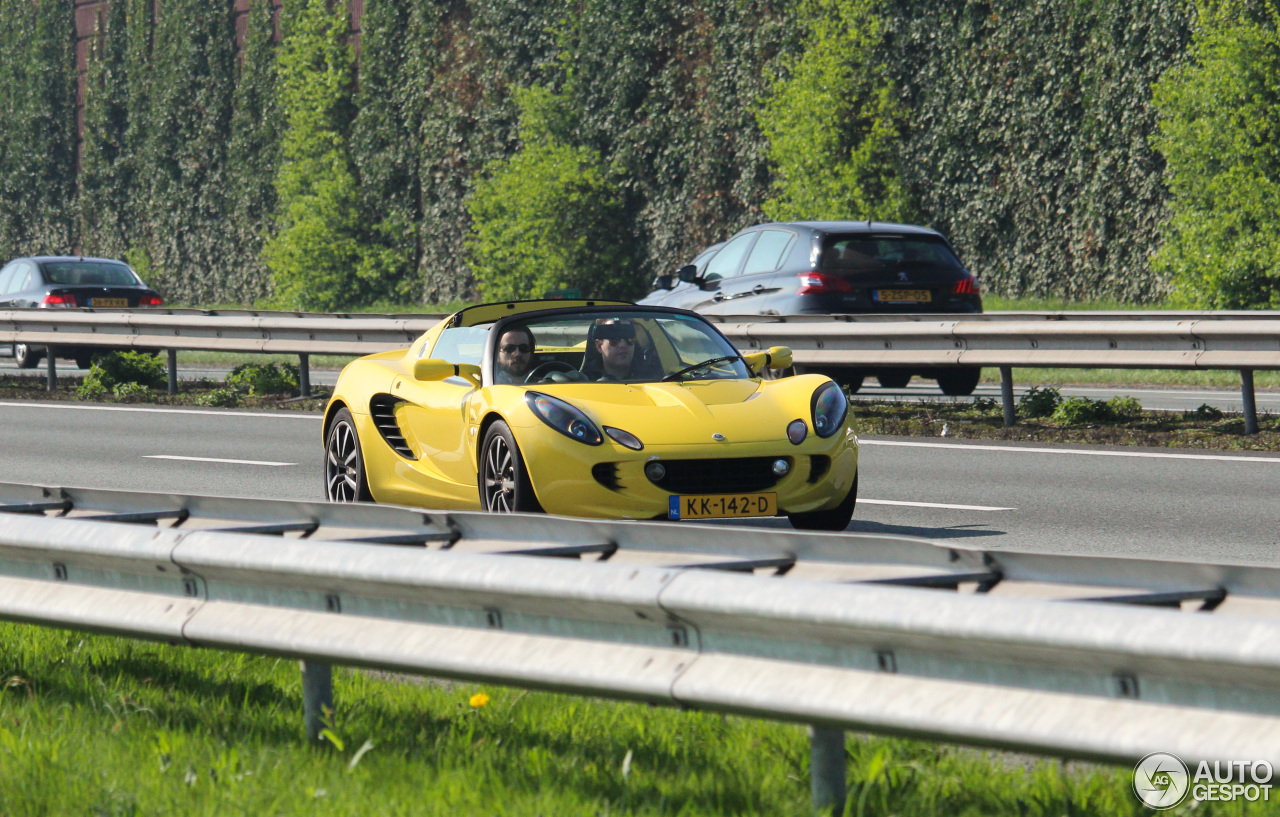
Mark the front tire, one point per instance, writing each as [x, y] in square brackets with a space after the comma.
[504, 481]
[344, 474]
[25, 356]
[894, 380]
[836, 519]
[959, 382]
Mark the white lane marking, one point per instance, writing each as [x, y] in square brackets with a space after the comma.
[213, 459]
[1018, 450]
[933, 505]
[290, 415]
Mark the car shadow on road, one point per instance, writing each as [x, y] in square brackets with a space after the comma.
[948, 532]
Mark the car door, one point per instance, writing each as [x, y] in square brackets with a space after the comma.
[747, 291]
[434, 416]
[723, 265]
[6, 277]
[17, 290]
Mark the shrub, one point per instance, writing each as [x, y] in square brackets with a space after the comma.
[1218, 127]
[92, 387]
[131, 367]
[550, 217]
[128, 391]
[1077, 410]
[986, 405]
[264, 378]
[1205, 412]
[219, 398]
[1125, 408]
[1039, 402]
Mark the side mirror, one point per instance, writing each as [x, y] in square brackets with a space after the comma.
[778, 357]
[688, 273]
[664, 282]
[432, 369]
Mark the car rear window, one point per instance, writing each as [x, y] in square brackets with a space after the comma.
[100, 273]
[876, 253]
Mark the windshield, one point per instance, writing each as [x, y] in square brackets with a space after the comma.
[880, 253]
[99, 273]
[613, 347]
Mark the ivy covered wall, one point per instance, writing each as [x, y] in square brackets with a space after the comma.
[1021, 128]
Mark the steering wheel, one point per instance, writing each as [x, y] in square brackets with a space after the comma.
[547, 368]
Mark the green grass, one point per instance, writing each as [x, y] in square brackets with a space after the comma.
[994, 303]
[1228, 379]
[106, 726]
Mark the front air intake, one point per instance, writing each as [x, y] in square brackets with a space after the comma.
[382, 408]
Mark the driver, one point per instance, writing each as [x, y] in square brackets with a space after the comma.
[515, 355]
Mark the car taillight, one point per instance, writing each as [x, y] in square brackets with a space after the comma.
[150, 300]
[966, 286]
[818, 283]
[59, 300]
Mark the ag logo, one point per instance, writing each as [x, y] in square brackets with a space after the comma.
[1161, 781]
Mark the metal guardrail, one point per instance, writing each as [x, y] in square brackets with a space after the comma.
[1088, 657]
[1166, 340]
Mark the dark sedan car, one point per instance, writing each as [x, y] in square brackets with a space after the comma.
[832, 267]
[64, 282]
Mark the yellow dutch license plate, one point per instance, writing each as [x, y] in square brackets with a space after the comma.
[914, 296]
[722, 506]
[109, 302]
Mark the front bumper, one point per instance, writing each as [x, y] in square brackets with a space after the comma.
[577, 480]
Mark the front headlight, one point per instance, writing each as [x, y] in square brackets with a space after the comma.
[829, 409]
[561, 416]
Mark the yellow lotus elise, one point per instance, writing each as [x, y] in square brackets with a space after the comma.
[590, 408]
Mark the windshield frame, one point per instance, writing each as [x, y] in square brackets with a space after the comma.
[500, 326]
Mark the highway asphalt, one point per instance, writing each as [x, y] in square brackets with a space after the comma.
[1154, 503]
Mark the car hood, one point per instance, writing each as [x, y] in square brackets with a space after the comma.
[690, 413]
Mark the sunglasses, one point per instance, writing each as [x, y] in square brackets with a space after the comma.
[512, 348]
[624, 341]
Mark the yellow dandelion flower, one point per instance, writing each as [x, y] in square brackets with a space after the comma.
[478, 700]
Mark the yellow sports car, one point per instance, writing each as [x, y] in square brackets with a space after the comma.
[590, 408]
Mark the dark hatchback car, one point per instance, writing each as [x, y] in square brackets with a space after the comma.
[830, 268]
[68, 281]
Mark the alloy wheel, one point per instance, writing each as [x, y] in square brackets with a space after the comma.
[342, 464]
[499, 476]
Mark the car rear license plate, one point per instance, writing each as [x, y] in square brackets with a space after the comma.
[722, 506]
[904, 296]
[109, 302]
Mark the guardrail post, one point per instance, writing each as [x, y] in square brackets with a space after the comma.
[51, 369]
[317, 698]
[826, 769]
[1006, 396]
[173, 371]
[304, 374]
[1250, 404]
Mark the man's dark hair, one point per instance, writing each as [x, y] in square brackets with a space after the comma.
[524, 330]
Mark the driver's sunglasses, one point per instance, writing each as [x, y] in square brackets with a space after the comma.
[512, 348]
[625, 341]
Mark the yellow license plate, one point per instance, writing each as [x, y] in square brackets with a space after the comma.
[109, 302]
[915, 296]
[722, 506]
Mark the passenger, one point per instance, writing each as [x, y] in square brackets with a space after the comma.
[515, 355]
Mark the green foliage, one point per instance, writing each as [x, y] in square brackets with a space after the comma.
[219, 398]
[98, 725]
[1205, 412]
[986, 405]
[549, 217]
[315, 253]
[115, 368]
[264, 378]
[1220, 134]
[1027, 142]
[834, 121]
[181, 181]
[130, 392]
[1124, 407]
[1076, 410]
[37, 137]
[253, 158]
[105, 180]
[93, 385]
[1038, 402]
